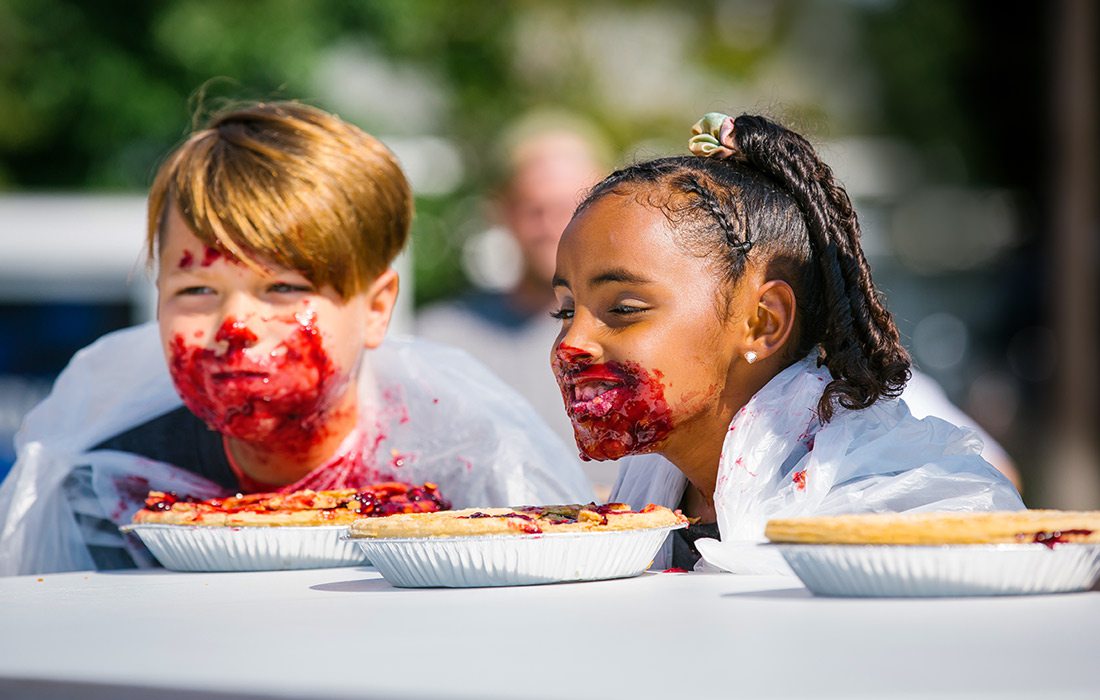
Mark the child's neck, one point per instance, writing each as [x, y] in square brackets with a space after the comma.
[696, 452]
[696, 448]
[273, 464]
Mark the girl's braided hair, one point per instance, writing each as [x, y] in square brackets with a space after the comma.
[769, 196]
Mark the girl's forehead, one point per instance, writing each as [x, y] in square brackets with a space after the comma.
[619, 226]
[617, 239]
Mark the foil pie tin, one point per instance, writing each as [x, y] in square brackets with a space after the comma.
[513, 560]
[204, 548]
[945, 570]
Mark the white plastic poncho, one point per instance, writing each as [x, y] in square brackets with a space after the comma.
[778, 461]
[449, 419]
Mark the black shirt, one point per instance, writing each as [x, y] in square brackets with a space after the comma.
[684, 553]
[180, 439]
[177, 438]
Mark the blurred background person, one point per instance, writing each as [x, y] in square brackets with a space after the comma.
[546, 162]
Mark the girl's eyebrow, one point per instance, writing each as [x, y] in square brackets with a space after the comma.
[618, 274]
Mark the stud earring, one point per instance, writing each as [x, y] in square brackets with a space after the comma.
[750, 357]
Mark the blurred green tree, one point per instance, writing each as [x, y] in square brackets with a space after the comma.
[94, 92]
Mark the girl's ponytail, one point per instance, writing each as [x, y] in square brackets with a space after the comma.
[862, 347]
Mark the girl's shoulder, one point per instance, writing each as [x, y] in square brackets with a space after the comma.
[892, 419]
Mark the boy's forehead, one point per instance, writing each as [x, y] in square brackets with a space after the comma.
[182, 249]
[175, 231]
[177, 235]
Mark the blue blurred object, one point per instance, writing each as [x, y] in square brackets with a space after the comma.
[38, 340]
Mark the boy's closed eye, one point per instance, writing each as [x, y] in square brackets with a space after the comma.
[290, 288]
[195, 290]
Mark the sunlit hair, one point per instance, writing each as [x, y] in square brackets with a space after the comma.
[287, 184]
[776, 203]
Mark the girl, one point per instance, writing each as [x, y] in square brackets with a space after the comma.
[273, 230]
[717, 311]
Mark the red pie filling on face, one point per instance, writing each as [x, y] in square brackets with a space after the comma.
[617, 408]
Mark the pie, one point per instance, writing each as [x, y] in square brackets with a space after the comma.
[338, 507]
[522, 520]
[1047, 527]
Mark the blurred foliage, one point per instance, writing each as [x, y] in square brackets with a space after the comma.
[966, 78]
[94, 93]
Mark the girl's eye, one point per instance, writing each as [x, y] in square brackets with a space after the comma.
[562, 314]
[626, 309]
[288, 288]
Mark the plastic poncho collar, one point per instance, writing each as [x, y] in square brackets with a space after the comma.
[450, 420]
[779, 461]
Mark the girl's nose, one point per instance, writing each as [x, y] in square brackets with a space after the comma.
[577, 346]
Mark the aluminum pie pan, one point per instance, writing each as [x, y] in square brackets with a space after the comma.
[925, 571]
[513, 560]
[243, 548]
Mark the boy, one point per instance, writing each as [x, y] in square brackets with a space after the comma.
[272, 230]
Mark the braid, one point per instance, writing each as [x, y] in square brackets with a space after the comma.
[649, 171]
[738, 241]
[678, 173]
[862, 346]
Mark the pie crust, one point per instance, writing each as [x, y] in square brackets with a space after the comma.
[300, 508]
[998, 527]
[521, 520]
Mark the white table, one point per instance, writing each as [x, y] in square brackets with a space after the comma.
[339, 633]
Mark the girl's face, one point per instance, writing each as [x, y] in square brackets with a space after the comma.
[260, 355]
[644, 355]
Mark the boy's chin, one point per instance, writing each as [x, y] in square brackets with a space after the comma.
[291, 428]
[259, 433]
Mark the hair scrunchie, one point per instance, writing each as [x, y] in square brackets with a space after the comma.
[712, 136]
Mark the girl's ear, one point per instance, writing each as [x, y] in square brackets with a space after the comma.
[771, 323]
[379, 299]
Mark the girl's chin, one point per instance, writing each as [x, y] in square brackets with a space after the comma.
[602, 446]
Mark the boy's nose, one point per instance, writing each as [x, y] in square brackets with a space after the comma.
[236, 335]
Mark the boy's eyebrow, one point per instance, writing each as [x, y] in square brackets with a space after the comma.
[193, 270]
[559, 282]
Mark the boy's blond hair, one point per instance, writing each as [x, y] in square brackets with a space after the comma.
[288, 184]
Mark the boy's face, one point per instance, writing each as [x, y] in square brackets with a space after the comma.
[643, 354]
[258, 354]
